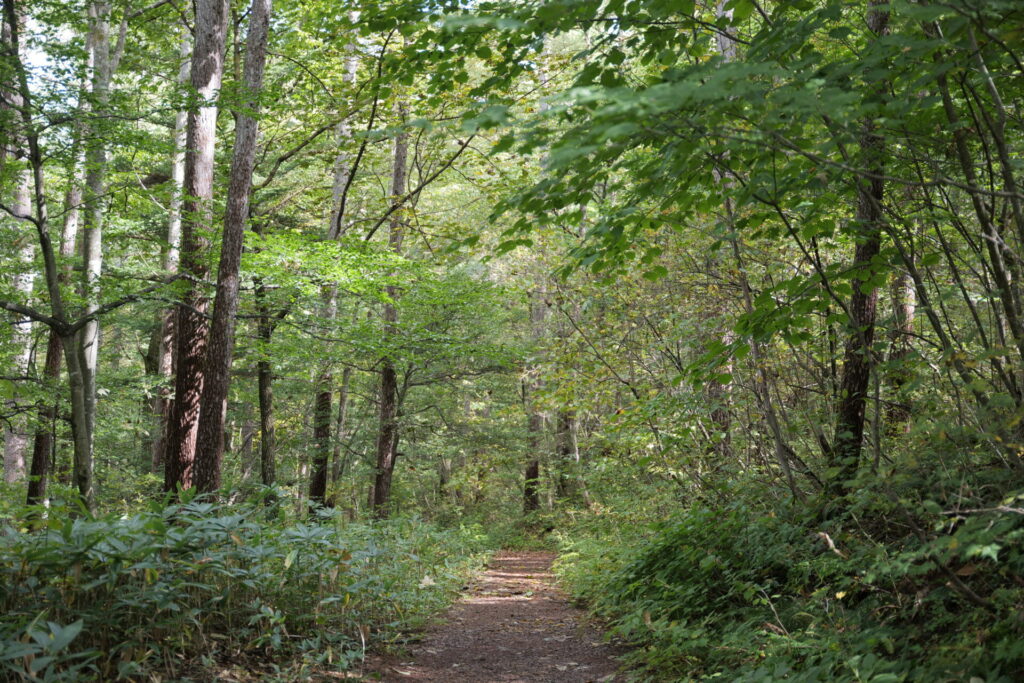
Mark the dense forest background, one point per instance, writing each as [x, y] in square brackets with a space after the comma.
[308, 306]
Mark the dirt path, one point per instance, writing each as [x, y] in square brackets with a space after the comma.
[513, 626]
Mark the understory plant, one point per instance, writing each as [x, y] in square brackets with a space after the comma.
[177, 589]
[741, 593]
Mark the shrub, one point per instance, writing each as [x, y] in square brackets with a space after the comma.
[177, 587]
[739, 595]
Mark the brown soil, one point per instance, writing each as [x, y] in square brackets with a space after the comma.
[512, 626]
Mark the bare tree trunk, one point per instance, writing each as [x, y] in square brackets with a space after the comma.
[531, 483]
[21, 100]
[87, 340]
[42, 446]
[857, 363]
[201, 137]
[341, 428]
[719, 395]
[265, 378]
[387, 438]
[577, 460]
[324, 385]
[245, 449]
[210, 432]
[321, 445]
[903, 307]
[16, 434]
[535, 420]
[163, 365]
[564, 480]
[21, 205]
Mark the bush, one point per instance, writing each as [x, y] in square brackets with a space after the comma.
[739, 595]
[177, 588]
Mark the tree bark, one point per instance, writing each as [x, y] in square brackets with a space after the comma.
[265, 378]
[206, 71]
[210, 431]
[387, 438]
[42, 446]
[163, 362]
[16, 432]
[564, 480]
[903, 308]
[324, 386]
[321, 446]
[857, 362]
[341, 431]
[87, 341]
[535, 420]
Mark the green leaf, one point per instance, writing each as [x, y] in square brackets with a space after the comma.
[656, 273]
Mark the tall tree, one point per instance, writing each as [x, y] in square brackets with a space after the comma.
[58, 319]
[532, 384]
[12, 147]
[857, 357]
[207, 70]
[387, 435]
[43, 440]
[96, 201]
[160, 356]
[329, 294]
[16, 430]
[210, 445]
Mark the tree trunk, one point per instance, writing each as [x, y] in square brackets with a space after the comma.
[265, 324]
[245, 449]
[210, 431]
[903, 307]
[565, 484]
[201, 137]
[324, 386]
[87, 341]
[42, 446]
[341, 429]
[16, 432]
[321, 446]
[857, 362]
[535, 420]
[265, 380]
[163, 365]
[719, 395]
[531, 483]
[387, 438]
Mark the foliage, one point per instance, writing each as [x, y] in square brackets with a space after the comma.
[736, 593]
[626, 257]
[174, 589]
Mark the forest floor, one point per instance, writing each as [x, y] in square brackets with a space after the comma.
[512, 626]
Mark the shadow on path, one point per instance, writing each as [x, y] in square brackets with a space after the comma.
[513, 626]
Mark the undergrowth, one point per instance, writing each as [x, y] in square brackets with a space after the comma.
[902, 591]
[177, 590]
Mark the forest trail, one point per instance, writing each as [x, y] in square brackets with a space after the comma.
[512, 626]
